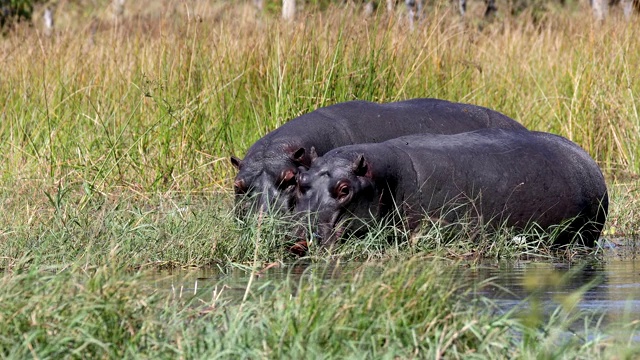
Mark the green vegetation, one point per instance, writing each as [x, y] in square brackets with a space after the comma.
[114, 144]
[414, 309]
[15, 10]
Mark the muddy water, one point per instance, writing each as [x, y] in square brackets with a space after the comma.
[611, 287]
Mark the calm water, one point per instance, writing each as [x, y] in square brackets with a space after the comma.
[613, 285]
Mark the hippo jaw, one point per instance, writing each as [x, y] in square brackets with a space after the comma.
[323, 229]
[335, 195]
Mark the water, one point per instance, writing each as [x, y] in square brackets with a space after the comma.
[611, 287]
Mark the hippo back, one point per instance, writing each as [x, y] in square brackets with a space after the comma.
[356, 122]
[515, 177]
[268, 171]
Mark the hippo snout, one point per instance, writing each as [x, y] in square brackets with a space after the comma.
[303, 238]
[303, 233]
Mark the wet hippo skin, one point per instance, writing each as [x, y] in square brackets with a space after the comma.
[495, 176]
[267, 174]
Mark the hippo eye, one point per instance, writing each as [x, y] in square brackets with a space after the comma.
[240, 187]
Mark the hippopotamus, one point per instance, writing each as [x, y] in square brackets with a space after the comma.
[267, 174]
[495, 177]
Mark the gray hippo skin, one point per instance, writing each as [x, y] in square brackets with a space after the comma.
[267, 174]
[512, 178]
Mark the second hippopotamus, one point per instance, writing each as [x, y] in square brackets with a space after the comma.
[267, 174]
[495, 176]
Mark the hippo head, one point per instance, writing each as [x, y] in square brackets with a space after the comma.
[266, 178]
[334, 197]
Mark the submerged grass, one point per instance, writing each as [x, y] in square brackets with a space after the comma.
[164, 231]
[114, 139]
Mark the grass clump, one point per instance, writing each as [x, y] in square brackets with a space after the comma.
[97, 313]
[156, 231]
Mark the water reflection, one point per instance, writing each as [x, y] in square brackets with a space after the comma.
[612, 286]
[234, 281]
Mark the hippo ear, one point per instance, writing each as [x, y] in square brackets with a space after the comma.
[313, 155]
[301, 157]
[287, 178]
[360, 166]
[288, 174]
[240, 186]
[235, 162]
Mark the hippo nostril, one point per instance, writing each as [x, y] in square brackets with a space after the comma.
[301, 179]
[304, 183]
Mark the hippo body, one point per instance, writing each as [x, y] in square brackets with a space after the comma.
[497, 176]
[267, 173]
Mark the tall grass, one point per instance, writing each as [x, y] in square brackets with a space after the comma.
[150, 106]
[158, 100]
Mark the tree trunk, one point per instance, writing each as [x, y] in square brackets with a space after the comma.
[48, 20]
[600, 9]
[118, 8]
[288, 9]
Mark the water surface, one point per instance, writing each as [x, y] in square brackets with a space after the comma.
[610, 286]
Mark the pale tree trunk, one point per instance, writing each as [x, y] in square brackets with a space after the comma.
[600, 9]
[391, 4]
[627, 8]
[118, 8]
[368, 9]
[462, 7]
[414, 11]
[48, 21]
[288, 9]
